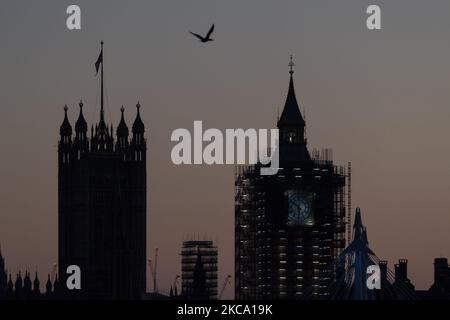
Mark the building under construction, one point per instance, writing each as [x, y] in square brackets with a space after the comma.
[199, 270]
[290, 227]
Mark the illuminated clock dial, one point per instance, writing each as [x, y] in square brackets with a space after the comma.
[300, 208]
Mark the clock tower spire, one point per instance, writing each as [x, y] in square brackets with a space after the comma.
[292, 125]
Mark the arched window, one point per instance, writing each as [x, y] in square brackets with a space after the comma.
[292, 136]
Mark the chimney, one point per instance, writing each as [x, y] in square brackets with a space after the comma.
[441, 271]
[383, 270]
[401, 270]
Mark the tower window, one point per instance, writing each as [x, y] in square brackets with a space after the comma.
[291, 136]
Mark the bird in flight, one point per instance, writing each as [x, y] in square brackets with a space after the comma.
[207, 37]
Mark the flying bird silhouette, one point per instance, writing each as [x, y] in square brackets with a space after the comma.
[207, 37]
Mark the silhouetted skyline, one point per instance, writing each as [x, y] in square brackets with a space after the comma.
[378, 99]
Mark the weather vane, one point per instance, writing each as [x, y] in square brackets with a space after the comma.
[291, 65]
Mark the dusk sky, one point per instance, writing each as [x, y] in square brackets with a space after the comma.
[380, 99]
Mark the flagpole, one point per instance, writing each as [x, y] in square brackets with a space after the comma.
[101, 103]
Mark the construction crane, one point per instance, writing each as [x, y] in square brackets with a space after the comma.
[224, 286]
[149, 264]
[153, 269]
[54, 272]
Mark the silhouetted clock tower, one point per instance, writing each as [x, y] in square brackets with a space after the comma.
[289, 227]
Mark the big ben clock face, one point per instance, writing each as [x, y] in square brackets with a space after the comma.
[300, 211]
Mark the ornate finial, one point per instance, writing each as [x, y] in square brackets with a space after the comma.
[291, 66]
[65, 108]
[122, 109]
[138, 105]
[81, 104]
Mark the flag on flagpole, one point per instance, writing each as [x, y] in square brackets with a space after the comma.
[99, 60]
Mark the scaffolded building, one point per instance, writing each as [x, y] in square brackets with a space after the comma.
[199, 270]
[289, 227]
